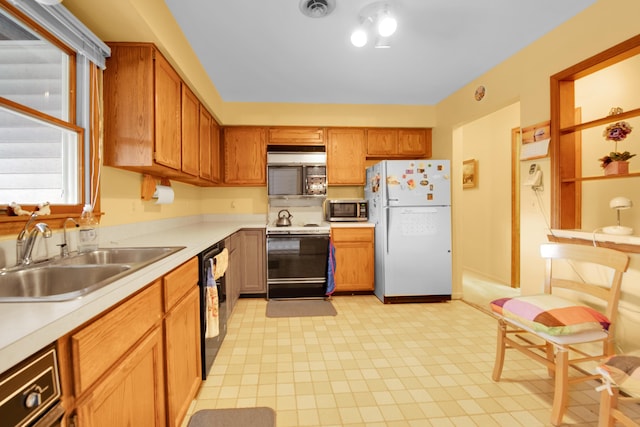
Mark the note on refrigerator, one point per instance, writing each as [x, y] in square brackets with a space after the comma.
[419, 223]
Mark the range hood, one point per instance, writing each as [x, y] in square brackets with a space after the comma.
[293, 158]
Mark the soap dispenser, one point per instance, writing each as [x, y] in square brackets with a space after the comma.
[88, 234]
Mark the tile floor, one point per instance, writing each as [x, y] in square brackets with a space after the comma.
[381, 365]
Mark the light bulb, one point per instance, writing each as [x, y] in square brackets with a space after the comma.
[359, 37]
[49, 2]
[387, 25]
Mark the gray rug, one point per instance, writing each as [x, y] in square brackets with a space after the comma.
[234, 417]
[300, 308]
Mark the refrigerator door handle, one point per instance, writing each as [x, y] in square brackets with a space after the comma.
[386, 240]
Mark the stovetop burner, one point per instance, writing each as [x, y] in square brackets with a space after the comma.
[310, 228]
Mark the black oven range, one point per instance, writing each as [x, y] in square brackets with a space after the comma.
[297, 259]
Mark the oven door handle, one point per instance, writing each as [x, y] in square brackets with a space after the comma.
[52, 417]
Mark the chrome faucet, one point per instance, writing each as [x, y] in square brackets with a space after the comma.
[64, 247]
[22, 238]
[39, 228]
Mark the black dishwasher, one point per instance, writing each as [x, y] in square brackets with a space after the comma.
[210, 346]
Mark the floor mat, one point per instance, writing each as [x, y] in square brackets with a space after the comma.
[300, 308]
[234, 417]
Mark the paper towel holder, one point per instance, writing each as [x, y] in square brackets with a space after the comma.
[149, 184]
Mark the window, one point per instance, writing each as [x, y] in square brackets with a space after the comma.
[38, 161]
[49, 97]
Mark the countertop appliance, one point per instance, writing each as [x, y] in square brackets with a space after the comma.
[30, 392]
[209, 347]
[284, 218]
[410, 205]
[348, 210]
[297, 258]
[296, 174]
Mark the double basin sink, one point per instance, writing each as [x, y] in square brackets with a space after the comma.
[78, 274]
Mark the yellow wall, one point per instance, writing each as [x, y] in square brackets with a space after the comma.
[121, 201]
[485, 234]
[615, 86]
[525, 78]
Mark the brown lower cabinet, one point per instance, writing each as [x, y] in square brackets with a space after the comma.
[133, 394]
[354, 258]
[138, 363]
[246, 273]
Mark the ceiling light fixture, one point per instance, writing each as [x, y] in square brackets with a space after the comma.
[376, 21]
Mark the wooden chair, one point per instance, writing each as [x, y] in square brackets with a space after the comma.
[551, 328]
[621, 373]
[610, 413]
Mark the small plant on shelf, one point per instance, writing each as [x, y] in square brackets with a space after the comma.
[616, 132]
[615, 156]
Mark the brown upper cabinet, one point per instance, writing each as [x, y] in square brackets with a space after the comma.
[245, 155]
[152, 119]
[398, 143]
[293, 135]
[209, 148]
[155, 124]
[142, 110]
[190, 132]
[346, 156]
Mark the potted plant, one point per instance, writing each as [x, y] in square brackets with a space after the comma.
[616, 163]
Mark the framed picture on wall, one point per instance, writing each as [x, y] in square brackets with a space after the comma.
[469, 173]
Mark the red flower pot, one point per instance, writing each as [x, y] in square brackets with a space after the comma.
[617, 168]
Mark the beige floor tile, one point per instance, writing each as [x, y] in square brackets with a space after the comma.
[385, 365]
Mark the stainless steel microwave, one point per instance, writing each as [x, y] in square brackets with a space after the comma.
[347, 210]
[296, 175]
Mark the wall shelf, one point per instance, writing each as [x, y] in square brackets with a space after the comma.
[566, 136]
[599, 122]
[578, 237]
[600, 177]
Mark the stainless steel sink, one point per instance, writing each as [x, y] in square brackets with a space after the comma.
[57, 282]
[120, 256]
[71, 277]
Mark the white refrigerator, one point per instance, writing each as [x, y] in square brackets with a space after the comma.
[410, 205]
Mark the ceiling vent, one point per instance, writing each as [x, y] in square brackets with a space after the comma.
[317, 8]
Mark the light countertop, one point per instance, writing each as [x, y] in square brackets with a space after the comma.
[355, 224]
[28, 327]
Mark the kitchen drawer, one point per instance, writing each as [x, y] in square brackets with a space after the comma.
[98, 346]
[292, 135]
[179, 282]
[361, 234]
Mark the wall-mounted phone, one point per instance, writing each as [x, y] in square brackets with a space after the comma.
[534, 178]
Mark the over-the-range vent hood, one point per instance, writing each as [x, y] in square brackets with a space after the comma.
[295, 148]
[285, 158]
